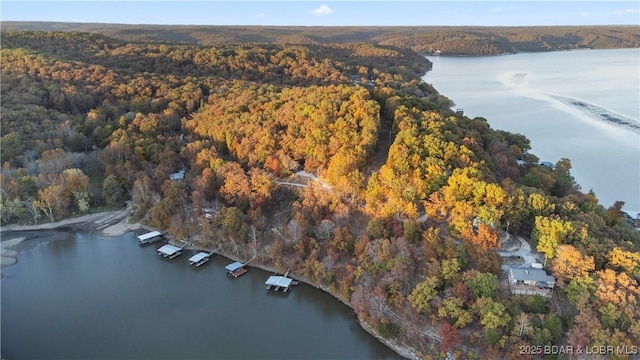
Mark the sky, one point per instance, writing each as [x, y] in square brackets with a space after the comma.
[328, 13]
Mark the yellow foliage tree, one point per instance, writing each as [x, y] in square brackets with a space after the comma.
[617, 288]
[628, 261]
[570, 263]
[551, 232]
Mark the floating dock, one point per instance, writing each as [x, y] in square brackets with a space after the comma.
[149, 238]
[199, 258]
[235, 269]
[169, 251]
[279, 282]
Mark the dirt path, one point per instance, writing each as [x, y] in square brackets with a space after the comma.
[521, 249]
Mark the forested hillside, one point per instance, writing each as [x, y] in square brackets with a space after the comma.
[405, 222]
[455, 40]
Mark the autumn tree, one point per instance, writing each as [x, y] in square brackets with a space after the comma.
[171, 211]
[549, 233]
[570, 263]
[453, 309]
[237, 187]
[113, 192]
[564, 181]
[581, 286]
[450, 337]
[540, 205]
[625, 260]
[481, 284]
[52, 163]
[617, 288]
[143, 196]
[421, 296]
[261, 186]
[493, 314]
[76, 186]
[51, 201]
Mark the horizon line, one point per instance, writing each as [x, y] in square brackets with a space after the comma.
[311, 26]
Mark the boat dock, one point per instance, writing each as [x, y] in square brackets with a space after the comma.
[279, 282]
[235, 269]
[169, 251]
[199, 258]
[149, 238]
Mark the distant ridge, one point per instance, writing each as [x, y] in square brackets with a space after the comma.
[455, 40]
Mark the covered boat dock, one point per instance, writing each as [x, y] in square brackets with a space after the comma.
[235, 269]
[279, 282]
[169, 251]
[149, 237]
[199, 258]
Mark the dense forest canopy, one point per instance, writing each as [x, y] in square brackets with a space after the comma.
[221, 145]
[453, 40]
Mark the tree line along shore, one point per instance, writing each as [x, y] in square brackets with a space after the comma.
[332, 160]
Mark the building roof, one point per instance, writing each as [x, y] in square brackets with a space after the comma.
[234, 266]
[169, 250]
[149, 235]
[279, 281]
[531, 274]
[177, 175]
[199, 256]
[548, 164]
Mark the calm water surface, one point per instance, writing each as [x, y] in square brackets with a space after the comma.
[536, 94]
[90, 297]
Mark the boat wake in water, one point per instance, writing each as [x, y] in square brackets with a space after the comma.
[599, 112]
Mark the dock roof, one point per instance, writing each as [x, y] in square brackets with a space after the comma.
[279, 281]
[234, 266]
[169, 250]
[199, 256]
[149, 235]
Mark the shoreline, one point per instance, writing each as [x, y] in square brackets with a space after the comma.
[106, 223]
[115, 223]
[402, 350]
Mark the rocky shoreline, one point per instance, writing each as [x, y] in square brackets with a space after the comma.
[115, 223]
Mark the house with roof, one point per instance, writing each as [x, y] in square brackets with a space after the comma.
[548, 164]
[530, 281]
[177, 176]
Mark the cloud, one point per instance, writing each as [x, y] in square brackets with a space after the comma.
[499, 9]
[322, 10]
[626, 11]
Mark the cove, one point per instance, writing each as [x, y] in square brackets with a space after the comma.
[76, 295]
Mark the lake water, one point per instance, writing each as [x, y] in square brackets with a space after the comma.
[80, 296]
[564, 103]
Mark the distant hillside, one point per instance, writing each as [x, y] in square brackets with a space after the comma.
[447, 40]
